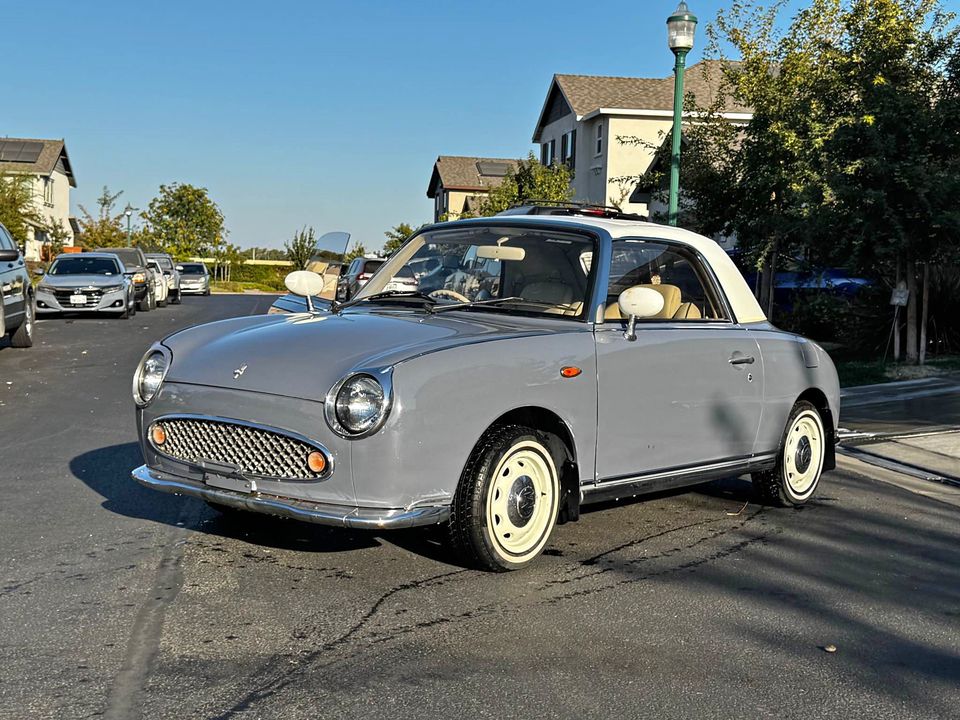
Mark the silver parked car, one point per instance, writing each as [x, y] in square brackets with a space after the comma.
[170, 274]
[194, 278]
[86, 282]
[562, 361]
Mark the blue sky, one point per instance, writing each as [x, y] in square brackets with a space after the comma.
[305, 113]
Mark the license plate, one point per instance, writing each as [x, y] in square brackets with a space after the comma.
[78, 299]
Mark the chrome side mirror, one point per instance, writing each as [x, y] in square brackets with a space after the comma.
[638, 302]
[304, 283]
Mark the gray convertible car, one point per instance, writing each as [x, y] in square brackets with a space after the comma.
[562, 361]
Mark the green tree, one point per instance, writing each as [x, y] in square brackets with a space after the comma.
[892, 162]
[301, 248]
[184, 221]
[105, 229]
[530, 181]
[58, 235]
[17, 211]
[396, 237]
[358, 250]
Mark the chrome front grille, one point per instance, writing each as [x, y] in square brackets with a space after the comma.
[93, 297]
[253, 450]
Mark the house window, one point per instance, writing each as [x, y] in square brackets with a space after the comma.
[568, 144]
[440, 201]
[48, 190]
[548, 152]
[599, 144]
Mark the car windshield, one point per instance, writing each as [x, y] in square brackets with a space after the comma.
[164, 262]
[192, 270]
[130, 258]
[84, 266]
[530, 271]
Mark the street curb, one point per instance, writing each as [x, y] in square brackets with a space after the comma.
[899, 466]
[947, 494]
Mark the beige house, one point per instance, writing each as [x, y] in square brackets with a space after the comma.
[47, 166]
[586, 119]
[459, 184]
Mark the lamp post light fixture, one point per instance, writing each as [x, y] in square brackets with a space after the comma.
[128, 211]
[680, 29]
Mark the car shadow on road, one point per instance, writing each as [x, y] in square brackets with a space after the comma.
[107, 472]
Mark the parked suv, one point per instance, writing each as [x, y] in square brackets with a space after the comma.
[135, 268]
[356, 276]
[194, 278]
[17, 309]
[170, 274]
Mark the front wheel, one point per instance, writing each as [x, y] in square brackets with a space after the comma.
[796, 476]
[505, 507]
[22, 337]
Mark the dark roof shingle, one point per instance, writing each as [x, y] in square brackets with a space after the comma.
[465, 173]
[45, 163]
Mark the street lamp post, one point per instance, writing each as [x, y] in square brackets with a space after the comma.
[128, 211]
[680, 29]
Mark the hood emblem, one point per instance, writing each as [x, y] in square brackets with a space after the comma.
[239, 371]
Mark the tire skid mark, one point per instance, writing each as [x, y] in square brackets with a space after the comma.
[510, 606]
[283, 679]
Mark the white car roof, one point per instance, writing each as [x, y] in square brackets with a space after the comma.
[742, 300]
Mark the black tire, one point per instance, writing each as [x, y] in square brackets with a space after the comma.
[3, 321]
[507, 501]
[799, 466]
[161, 303]
[207, 293]
[177, 298]
[22, 337]
[144, 305]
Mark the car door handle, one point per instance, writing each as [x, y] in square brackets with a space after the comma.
[742, 360]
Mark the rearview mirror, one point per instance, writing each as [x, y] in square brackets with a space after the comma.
[638, 302]
[500, 252]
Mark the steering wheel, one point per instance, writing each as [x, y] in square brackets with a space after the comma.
[443, 293]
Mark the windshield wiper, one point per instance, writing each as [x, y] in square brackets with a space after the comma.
[474, 303]
[390, 294]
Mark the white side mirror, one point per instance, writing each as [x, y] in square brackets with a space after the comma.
[305, 284]
[638, 302]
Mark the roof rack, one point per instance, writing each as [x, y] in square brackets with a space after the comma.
[561, 207]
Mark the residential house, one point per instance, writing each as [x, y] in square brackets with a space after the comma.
[607, 129]
[47, 166]
[459, 184]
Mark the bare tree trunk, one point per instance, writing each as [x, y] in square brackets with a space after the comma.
[912, 355]
[896, 321]
[924, 310]
[772, 287]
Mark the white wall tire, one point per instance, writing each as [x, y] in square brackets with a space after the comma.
[506, 505]
[799, 467]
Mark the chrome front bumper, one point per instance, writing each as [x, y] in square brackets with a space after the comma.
[321, 513]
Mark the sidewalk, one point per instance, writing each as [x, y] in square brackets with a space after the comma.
[912, 427]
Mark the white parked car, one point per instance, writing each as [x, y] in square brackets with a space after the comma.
[161, 290]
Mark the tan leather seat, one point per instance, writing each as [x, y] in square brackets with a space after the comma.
[687, 311]
[558, 294]
[671, 303]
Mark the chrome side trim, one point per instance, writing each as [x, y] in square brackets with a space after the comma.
[683, 472]
[364, 518]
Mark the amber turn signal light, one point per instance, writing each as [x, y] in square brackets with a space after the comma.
[158, 435]
[316, 462]
[569, 371]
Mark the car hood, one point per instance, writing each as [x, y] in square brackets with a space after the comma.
[302, 356]
[81, 281]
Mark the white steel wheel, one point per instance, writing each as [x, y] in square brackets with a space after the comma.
[522, 501]
[803, 454]
[796, 476]
[506, 504]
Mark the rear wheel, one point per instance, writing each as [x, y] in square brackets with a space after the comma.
[505, 507]
[796, 476]
[22, 337]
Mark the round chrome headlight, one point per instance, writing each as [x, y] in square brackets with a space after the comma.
[150, 374]
[358, 406]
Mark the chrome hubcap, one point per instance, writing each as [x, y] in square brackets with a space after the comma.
[804, 455]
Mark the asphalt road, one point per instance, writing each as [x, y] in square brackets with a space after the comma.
[118, 602]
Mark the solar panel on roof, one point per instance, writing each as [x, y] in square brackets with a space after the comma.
[493, 169]
[20, 151]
